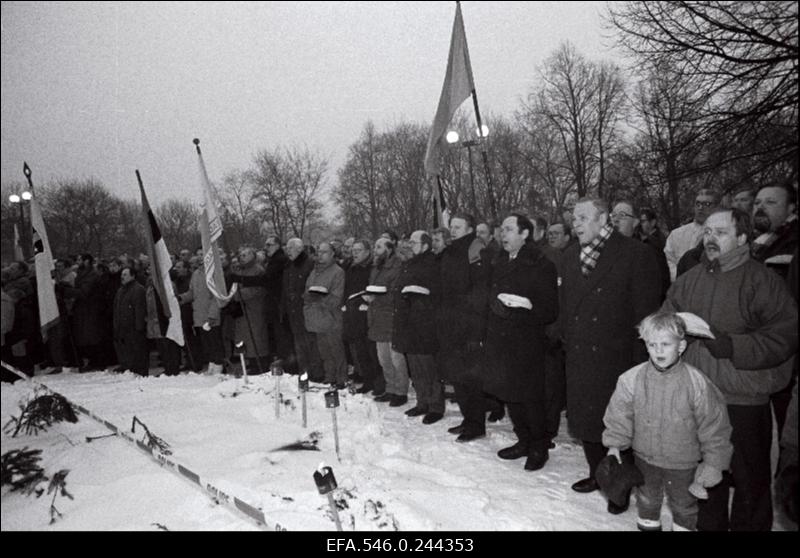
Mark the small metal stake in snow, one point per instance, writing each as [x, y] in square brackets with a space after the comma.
[331, 402]
[240, 347]
[277, 372]
[326, 484]
[302, 385]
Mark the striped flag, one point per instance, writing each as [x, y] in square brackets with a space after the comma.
[458, 86]
[210, 226]
[18, 254]
[45, 271]
[160, 264]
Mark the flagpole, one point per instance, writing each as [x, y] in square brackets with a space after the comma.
[484, 156]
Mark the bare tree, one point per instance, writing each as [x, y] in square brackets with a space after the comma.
[669, 110]
[383, 183]
[288, 184]
[177, 220]
[568, 99]
[546, 161]
[609, 105]
[240, 205]
[358, 193]
[79, 213]
[742, 55]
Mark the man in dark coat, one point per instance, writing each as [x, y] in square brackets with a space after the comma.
[625, 221]
[280, 336]
[523, 298]
[294, 285]
[354, 332]
[87, 323]
[461, 321]
[130, 324]
[774, 245]
[609, 284]
[414, 326]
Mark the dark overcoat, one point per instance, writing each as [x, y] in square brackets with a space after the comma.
[87, 309]
[130, 310]
[515, 337]
[464, 276]
[294, 285]
[356, 279]
[599, 314]
[415, 314]
[464, 269]
[273, 281]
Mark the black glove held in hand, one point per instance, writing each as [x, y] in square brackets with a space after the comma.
[721, 346]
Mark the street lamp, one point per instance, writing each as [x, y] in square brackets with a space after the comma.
[18, 200]
[453, 137]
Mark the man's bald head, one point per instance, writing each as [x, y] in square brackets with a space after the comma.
[294, 247]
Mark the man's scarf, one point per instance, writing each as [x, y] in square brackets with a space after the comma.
[591, 252]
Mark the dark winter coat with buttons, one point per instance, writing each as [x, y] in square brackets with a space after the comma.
[599, 314]
[415, 314]
[515, 337]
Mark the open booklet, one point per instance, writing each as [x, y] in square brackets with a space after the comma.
[515, 301]
[416, 289]
[695, 325]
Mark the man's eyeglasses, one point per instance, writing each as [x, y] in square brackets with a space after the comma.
[621, 215]
[698, 204]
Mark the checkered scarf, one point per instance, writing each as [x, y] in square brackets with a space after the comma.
[591, 252]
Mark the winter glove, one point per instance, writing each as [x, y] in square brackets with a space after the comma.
[721, 346]
[206, 326]
[705, 476]
[615, 453]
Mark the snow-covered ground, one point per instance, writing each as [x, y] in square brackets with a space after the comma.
[394, 474]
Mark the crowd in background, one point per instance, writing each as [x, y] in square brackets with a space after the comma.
[522, 316]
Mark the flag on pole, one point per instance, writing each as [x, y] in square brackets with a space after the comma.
[45, 271]
[19, 256]
[439, 201]
[210, 226]
[160, 264]
[458, 86]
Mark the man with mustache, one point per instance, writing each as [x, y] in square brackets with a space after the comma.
[775, 227]
[753, 318]
[775, 232]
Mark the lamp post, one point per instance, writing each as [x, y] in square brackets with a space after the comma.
[18, 200]
[452, 137]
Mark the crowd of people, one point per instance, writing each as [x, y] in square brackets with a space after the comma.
[593, 314]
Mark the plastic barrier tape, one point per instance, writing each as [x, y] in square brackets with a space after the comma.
[215, 493]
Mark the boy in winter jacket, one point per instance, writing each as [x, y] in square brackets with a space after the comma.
[675, 420]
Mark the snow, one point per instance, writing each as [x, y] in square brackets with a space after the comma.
[394, 474]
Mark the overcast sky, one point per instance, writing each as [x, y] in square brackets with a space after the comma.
[100, 89]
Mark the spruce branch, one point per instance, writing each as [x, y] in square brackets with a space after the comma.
[39, 413]
[151, 440]
[20, 469]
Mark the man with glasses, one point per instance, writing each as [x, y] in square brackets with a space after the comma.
[623, 217]
[686, 237]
